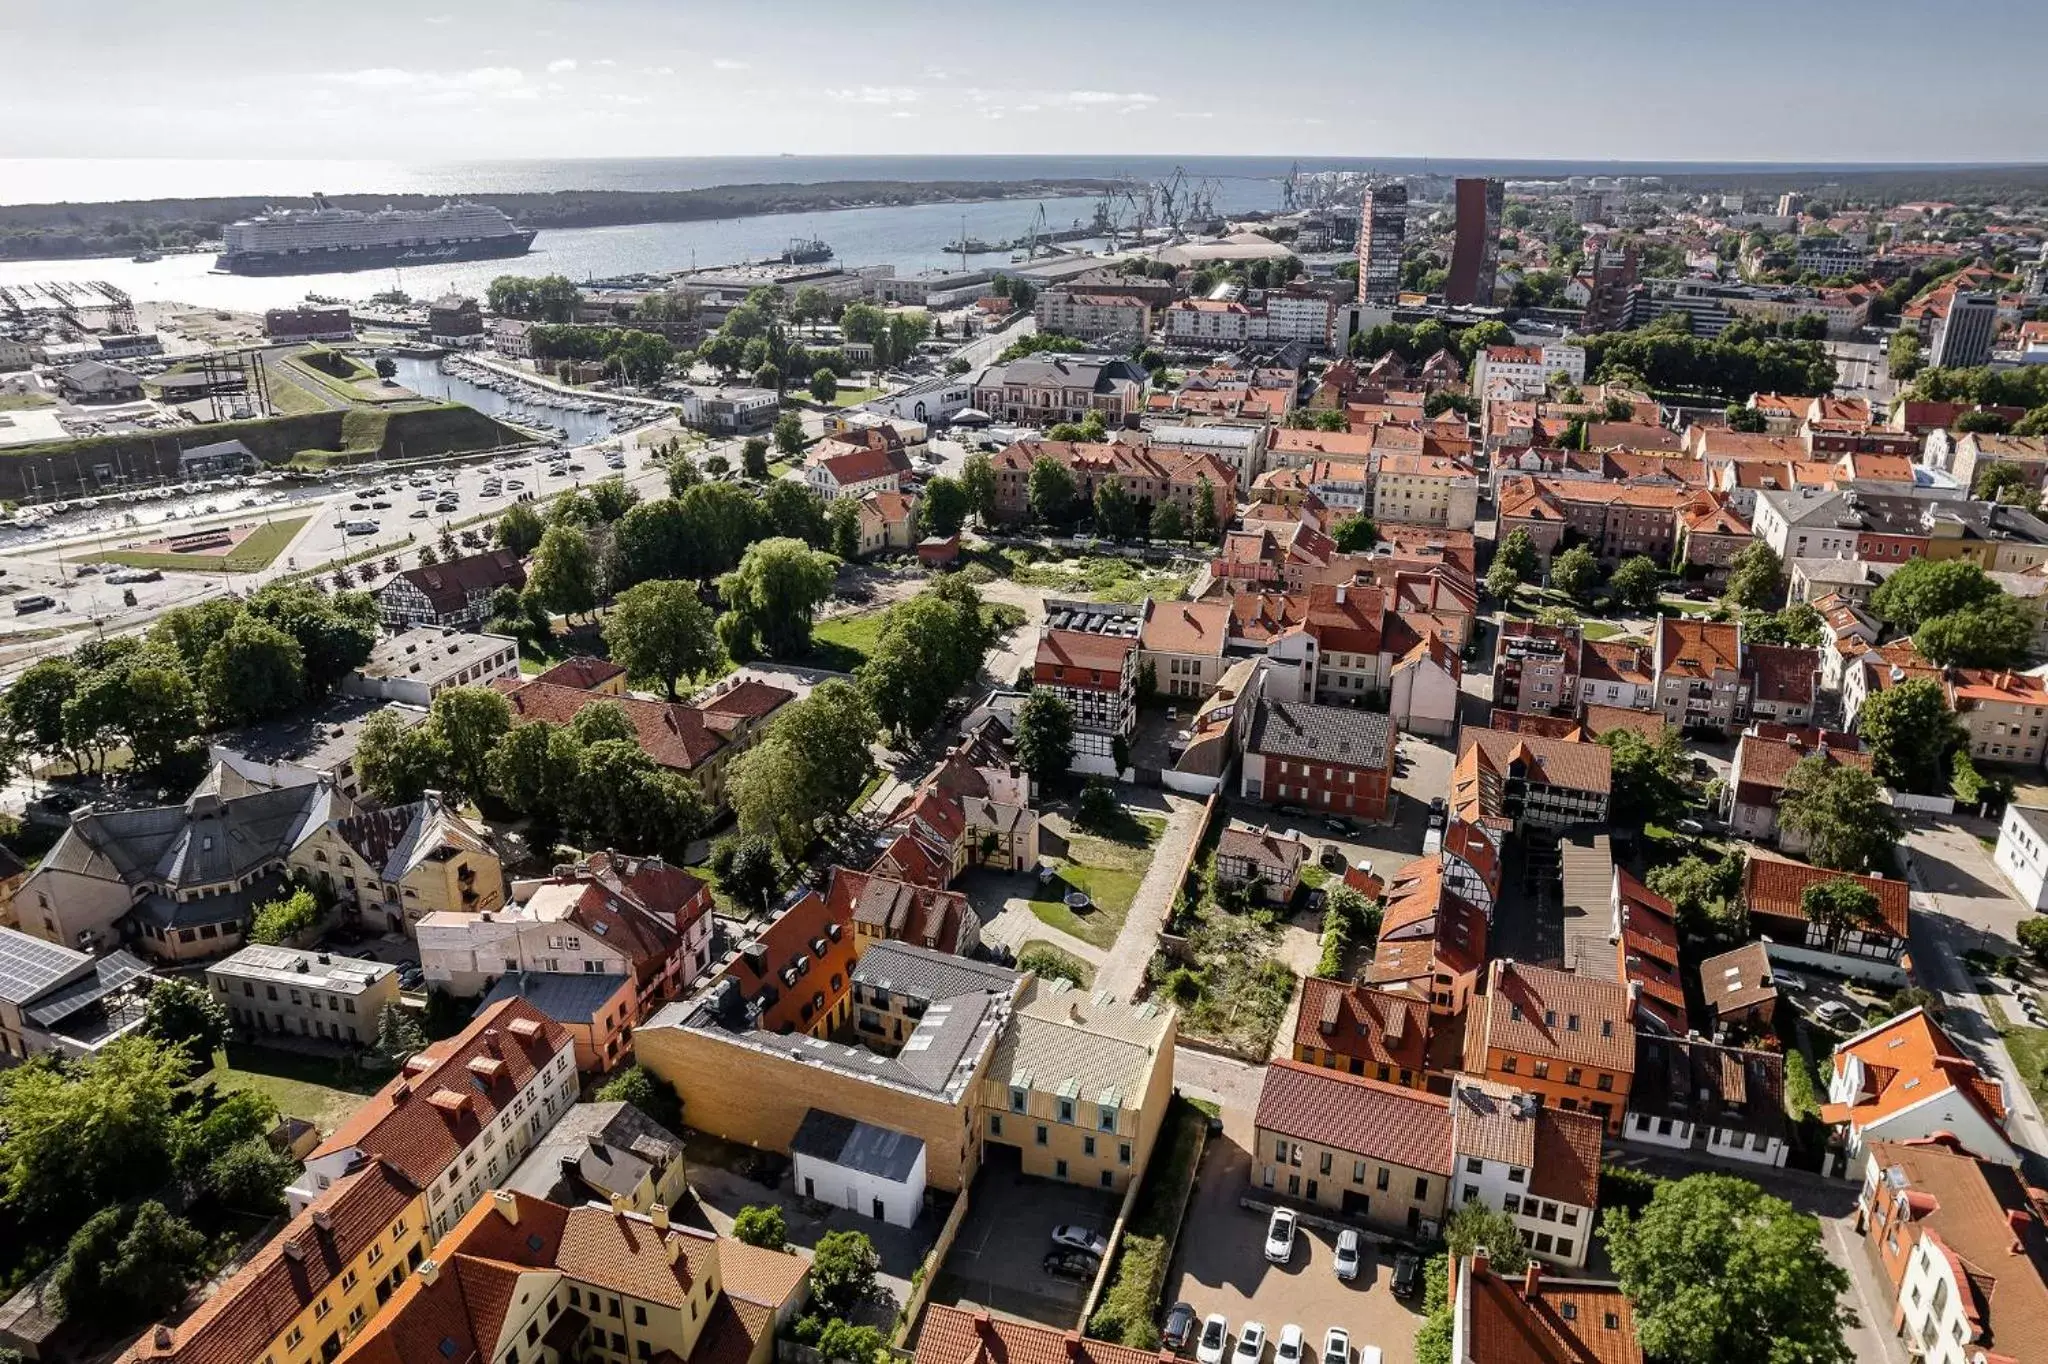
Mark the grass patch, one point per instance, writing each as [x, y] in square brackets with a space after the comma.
[1110, 871]
[253, 555]
[2029, 1048]
[843, 643]
[320, 1089]
[23, 402]
[1600, 629]
[287, 399]
[1104, 578]
[1048, 961]
[778, 468]
[1130, 1306]
[851, 397]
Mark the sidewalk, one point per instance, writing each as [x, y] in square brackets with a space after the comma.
[1123, 971]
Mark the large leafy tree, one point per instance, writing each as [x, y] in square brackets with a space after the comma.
[335, 634]
[1756, 577]
[930, 646]
[1205, 525]
[89, 1134]
[721, 520]
[1909, 731]
[655, 540]
[564, 575]
[790, 509]
[398, 761]
[1636, 582]
[1051, 491]
[1474, 1226]
[843, 1269]
[944, 507]
[35, 703]
[663, 631]
[536, 769]
[1045, 735]
[1116, 514]
[254, 671]
[181, 1014]
[1356, 534]
[777, 586]
[519, 529]
[746, 870]
[813, 762]
[1840, 905]
[1841, 812]
[1718, 1270]
[1576, 573]
[1998, 633]
[1923, 589]
[627, 801]
[470, 721]
[978, 481]
[1705, 893]
[129, 1266]
[1649, 775]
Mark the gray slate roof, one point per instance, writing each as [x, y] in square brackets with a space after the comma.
[919, 972]
[1333, 734]
[612, 1145]
[207, 840]
[856, 1146]
[565, 996]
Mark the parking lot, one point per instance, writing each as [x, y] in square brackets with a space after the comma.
[996, 1259]
[1221, 1267]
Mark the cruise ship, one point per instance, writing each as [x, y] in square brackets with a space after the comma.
[304, 241]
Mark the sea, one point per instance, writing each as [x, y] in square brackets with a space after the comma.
[911, 238]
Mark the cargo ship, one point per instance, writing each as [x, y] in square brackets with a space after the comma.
[801, 251]
[322, 239]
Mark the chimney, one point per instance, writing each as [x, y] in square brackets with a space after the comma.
[323, 1219]
[1532, 1277]
[428, 1271]
[294, 1251]
[2017, 1221]
[162, 1338]
[672, 1246]
[1328, 1021]
[1073, 1344]
[507, 1205]
[984, 1324]
[658, 1214]
[619, 1205]
[1480, 1263]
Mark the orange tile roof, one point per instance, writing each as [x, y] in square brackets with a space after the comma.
[1356, 1021]
[1551, 762]
[1600, 720]
[1906, 1061]
[1784, 672]
[1191, 627]
[1773, 888]
[582, 672]
[1557, 1015]
[1998, 687]
[1517, 1321]
[950, 1335]
[1607, 660]
[1698, 648]
[1351, 445]
[403, 1125]
[1080, 649]
[1387, 1122]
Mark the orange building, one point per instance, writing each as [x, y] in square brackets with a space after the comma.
[1564, 1037]
[798, 971]
[1363, 1031]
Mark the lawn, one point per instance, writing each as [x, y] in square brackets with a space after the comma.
[21, 402]
[1110, 871]
[1600, 629]
[1105, 578]
[1074, 963]
[253, 555]
[843, 643]
[2029, 1048]
[851, 397]
[315, 1088]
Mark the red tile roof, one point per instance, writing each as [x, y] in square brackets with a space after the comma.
[1784, 673]
[1557, 1015]
[952, 1336]
[1698, 648]
[1773, 887]
[1358, 1022]
[581, 672]
[1512, 1321]
[1350, 1113]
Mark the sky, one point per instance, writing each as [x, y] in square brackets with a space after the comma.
[431, 80]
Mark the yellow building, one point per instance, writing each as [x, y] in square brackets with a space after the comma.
[314, 1286]
[391, 868]
[1997, 537]
[1079, 1084]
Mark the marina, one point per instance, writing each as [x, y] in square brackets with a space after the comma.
[549, 414]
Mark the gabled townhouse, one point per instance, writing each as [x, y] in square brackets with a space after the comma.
[1962, 1248]
[856, 473]
[1258, 858]
[1536, 668]
[459, 1116]
[1701, 680]
[883, 909]
[955, 1335]
[520, 1277]
[793, 974]
[1764, 759]
[1711, 531]
[1866, 672]
[1538, 1164]
[605, 1151]
[1377, 1154]
[388, 869]
[1355, 1028]
[1905, 1079]
[1616, 674]
[597, 946]
[1694, 1095]
[1432, 943]
[1773, 894]
[1998, 537]
[2003, 713]
[1424, 688]
[1783, 682]
[1842, 621]
[313, 1287]
[1088, 657]
[1518, 781]
[972, 809]
[1150, 476]
[1739, 988]
[1331, 760]
[887, 523]
[1341, 489]
[455, 594]
[1182, 643]
[1536, 1318]
[1561, 1036]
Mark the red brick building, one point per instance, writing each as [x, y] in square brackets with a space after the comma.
[1149, 476]
[1329, 759]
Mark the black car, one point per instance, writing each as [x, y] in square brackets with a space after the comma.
[1407, 1275]
[1070, 1264]
[1179, 1328]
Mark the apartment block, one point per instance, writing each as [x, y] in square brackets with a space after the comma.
[1376, 1154]
[1557, 1035]
[286, 992]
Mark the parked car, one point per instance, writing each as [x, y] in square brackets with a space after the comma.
[1070, 1264]
[1280, 1236]
[1073, 1236]
[1835, 1014]
[1214, 1340]
[1336, 1346]
[1787, 980]
[1251, 1343]
[1287, 1349]
[1337, 826]
[1347, 1255]
[1691, 826]
[1332, 858]
[1407, 1274]
[1178, 1328]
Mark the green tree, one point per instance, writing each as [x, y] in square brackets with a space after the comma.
[789, 434]
[1356, 534]
[769, 375]
[91, 1133]
[1756, 577]
[1576, 573]
[1051, 492]
[842, 521]
[1742, 417]
[181, 1014]
[746, 870]
[1842, 814]
[1798, 624]
[761, 1225]
[843, 1268]
[719, 522]
[129, 1266]
[399, 1034]
[1839, 906]
[1167, 522]
[1116, 515]
[564, 574]
[397, 761]
[626, 801]
[1206, 526]
[250, 1177]
[790, 509]
[253, 672]
[663, 631]
[1923, 589]
[2000, 481]
[814, 760]
[824, 385]
[978, 481]
[1909, 732]
[943, 509]
[277, 922]
[754, 458]
[1518, 552]
[35, 703]
[1636, 582]
[928, 648]
[1706, 895]
[611, 499]
[1045, 735]
[1475, 1226]
[2033, 936]
[777, 587]
[1718, 1270]
[1997, 634]
[1649, 775]
[470, 722]
[536, 769]
[683, 474]
[647, 1092]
